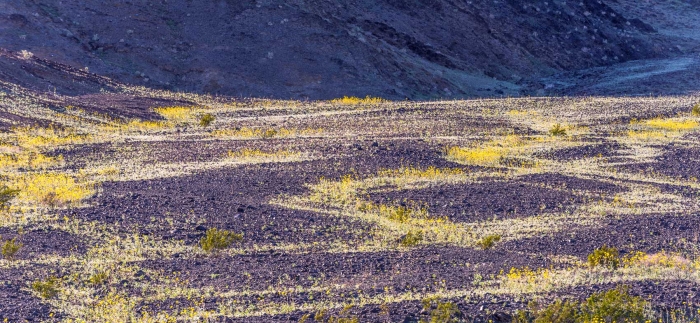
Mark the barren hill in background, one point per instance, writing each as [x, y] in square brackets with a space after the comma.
[397, 49]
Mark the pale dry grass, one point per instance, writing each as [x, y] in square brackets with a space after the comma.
[658, 267]
[179, 114]
[28, 161]
[506, 155]
[51, 189]
[256, 156]
[672, 124]
[352, 100]
[344, 198]
[269, 133]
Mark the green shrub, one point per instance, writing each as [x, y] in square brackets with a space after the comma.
[98, 278]
[445, 313]
[334, 319]
[6, 195]
[489, 241]
[219, 239]
[320, 315]
[442, 312]
[559, 312]
[269, 133]
[518, 162]
[557, 130]
[403, 214]
[206, 119]
[10, 249]
[685, 314]
[304, 318]
[428, 302]
[696, 110]
[47, 288]
[604, 257]
[522, 316]
[51, 200]
[615, 305]
[411, 238]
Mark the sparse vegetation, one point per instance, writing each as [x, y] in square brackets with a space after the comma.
[10, 248]
[361, 234]
[140, 126]
[604, 257]
[487, 156]
[28, 160]
[206, 119]
[50, 200]
[24, 54]
[51, 189]
[36, 138]
[334, 319]
[561, 311]
[6, 195]
[401, 214]
[441, 312]
[494, 153]
[646, 135]
[178, 114]
[256, 154]
[615, 305]
[266, 133]
[46, 289]
[352, 100]
[320, 315]
[672, 124]
[412, 238]
[216, 239]
[557, 130]
[269, 133]
[489, 241]
[323, 316]
[696, 110]
[98, 278]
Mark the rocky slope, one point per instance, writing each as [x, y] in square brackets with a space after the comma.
[323, 49]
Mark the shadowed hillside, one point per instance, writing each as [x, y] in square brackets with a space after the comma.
[323, 49]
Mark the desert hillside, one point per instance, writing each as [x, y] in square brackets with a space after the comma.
[324, 49]
[417, 161]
